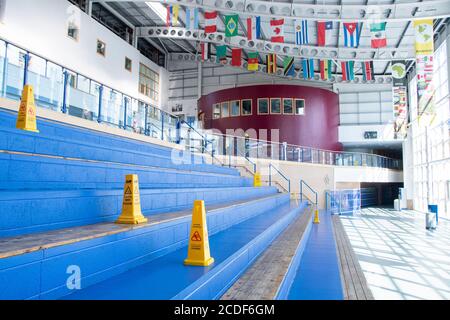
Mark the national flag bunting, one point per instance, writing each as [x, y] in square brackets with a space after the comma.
[351, 34]
[252, 61]
[231, 25]
[301, 31]
[210, 21]
[308, 68]
[192, 18]
[277, 30]
[172, 15]
[271, 63]
[253, 28]
[205, 49]
[221, 54]
[348, 73]
[367, 70]
[288, 66]
[378, 35]
[323, 28]
[325, 69]
[424, 73]
[236, 54]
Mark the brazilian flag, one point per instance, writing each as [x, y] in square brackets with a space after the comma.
[231, 25]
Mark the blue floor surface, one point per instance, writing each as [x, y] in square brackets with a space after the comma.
[165, 277]
[318, 276]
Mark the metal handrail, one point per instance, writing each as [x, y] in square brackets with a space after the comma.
[81, 74]
[372, 160]
[302, 182]
[285, 178]
[252, 163]
[260, 142]
[205, 142]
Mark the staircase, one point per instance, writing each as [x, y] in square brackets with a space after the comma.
[61, 191]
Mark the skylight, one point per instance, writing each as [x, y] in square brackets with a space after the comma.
[159, 9]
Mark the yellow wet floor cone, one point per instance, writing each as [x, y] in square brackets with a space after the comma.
[257, 179]
[131, 205]
[198, 250]
[26, 118]
[316, 216]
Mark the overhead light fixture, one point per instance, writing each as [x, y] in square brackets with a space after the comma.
[159, 9]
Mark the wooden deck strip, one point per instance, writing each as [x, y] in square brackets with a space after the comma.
[262, 280]
[349, 290]
[354, 282]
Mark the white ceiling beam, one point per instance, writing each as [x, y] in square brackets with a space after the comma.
[283, 49]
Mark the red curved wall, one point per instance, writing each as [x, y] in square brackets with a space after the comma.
[317, 128]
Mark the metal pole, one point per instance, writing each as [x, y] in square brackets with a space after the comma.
[65, 81]
[162, 125]
[125, 106]
[270, 175]
[5, 70]
[247, 146]
[25, 69]
[178, 129]
[301, 191]
[100, 102]
[146, 129]
[229, 155]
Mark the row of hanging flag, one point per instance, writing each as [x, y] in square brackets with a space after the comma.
[288, 63]
[351, 30]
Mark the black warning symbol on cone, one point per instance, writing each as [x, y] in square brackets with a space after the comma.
[128, 191]
[196, 236]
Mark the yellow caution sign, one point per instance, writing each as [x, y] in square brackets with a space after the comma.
[316, 216]
[257, 179]
[26, 119]
[198, 250]
[131, 206]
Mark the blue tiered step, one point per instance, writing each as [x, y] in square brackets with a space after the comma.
[61, 190]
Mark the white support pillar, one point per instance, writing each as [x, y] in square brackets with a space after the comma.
[199, 80]
[89, 7]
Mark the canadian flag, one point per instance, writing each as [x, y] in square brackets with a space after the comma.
[211, 22]
[277, 30]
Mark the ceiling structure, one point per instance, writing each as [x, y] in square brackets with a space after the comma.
[148, 20]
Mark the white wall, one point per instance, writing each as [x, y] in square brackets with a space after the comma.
[41, 27]
[369, 105]
[367, 174]
[355, 134]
